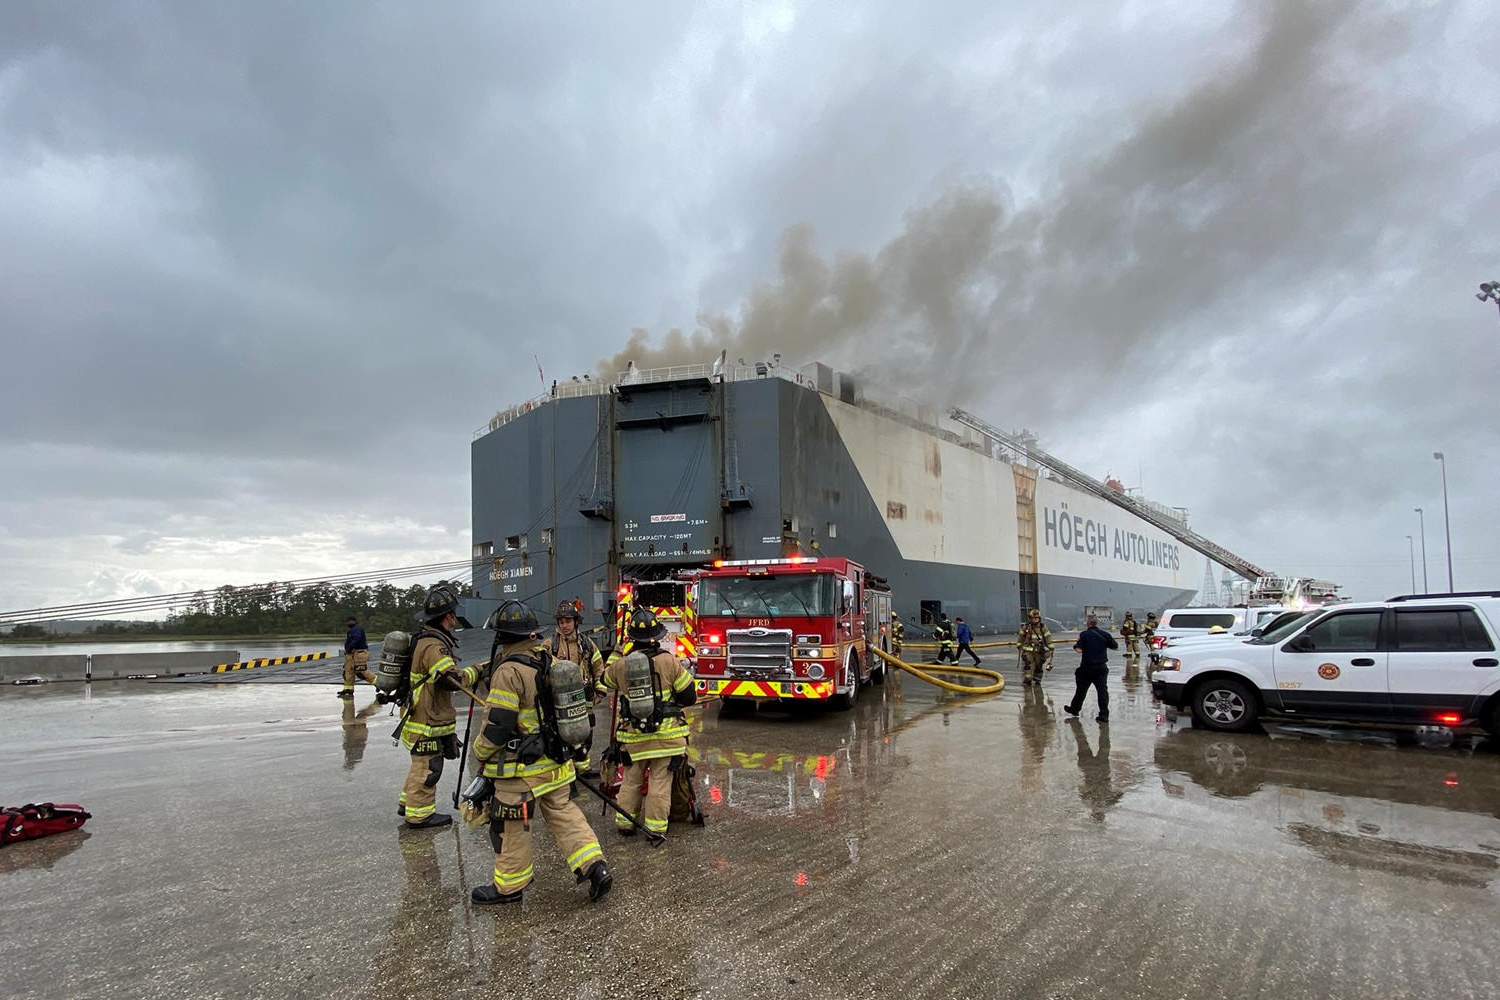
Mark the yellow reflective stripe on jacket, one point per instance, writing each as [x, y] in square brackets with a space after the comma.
[683, 682]
[412, 732]
[500, 698]
[443, 665]
[671, 728]
[639, 755]
[546, 766]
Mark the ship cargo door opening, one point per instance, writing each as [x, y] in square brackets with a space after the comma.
[931, 612]
[666, 474]
[1026, 536]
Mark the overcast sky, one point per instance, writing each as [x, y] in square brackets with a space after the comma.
[265, 267]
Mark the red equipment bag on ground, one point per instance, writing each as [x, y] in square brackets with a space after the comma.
[39, 820]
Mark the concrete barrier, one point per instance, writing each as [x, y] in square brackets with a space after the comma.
[277, 661]
[124, 666]
[62, 667]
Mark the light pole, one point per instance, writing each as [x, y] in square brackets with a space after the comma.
[1447, 538]
[1412, 551]
[1489, 291]
[1422, 524]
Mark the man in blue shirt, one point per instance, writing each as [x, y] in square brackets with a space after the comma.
[964, 638]
[1094, 644]
[356, 657]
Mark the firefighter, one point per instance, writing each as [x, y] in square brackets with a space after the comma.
[428, 728]
[1035, 643]
[1148, 632]
[650, 738]
[898, 633]
[943, 633]
[356, 657]
[528, 765]
[1130, 631]
[570, 644]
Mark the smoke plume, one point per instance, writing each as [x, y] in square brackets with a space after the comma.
[1260, 176]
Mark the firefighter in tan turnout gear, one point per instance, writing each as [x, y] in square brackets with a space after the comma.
[1035, 643]
[429, 729]
[1130, 631]
[650, 739]
[356, 657]
[570, 644]
[535, 727]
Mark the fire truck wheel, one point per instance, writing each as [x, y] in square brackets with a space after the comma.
[844, 702]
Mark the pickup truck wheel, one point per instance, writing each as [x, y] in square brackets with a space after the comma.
[1225, 705]
[1491, 720]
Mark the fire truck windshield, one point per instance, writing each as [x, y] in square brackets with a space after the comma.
[803, 594]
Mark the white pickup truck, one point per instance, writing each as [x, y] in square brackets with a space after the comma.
[1423, 659]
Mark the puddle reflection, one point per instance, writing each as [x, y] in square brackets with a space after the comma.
[1362, 799]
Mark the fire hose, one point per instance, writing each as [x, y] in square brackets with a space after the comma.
[926, 672]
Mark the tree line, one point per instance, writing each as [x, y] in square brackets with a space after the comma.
[275, 609]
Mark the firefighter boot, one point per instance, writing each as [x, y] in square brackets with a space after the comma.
[435, 820]
[487, 894]
[599, 880]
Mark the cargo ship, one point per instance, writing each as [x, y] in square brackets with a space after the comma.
[659, 472]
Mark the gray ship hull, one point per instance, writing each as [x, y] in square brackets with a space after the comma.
[572, 493]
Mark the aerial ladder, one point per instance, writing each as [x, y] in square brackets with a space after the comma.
[1078, 480]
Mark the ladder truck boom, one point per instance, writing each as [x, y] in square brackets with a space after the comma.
[1088, 484]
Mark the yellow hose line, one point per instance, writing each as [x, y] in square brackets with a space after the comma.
[927, 675]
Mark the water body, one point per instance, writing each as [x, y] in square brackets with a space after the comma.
[248, 649]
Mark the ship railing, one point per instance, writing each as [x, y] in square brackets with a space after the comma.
[587, 386]
[728, 373]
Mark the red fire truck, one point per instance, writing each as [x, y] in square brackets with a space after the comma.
[670, 600]
[795, 629]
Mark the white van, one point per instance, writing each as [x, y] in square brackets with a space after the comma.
[1179, 623]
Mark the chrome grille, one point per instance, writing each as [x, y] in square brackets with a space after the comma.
[760, 652]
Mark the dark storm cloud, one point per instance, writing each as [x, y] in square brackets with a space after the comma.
[299, 199]
[267, 266]
[1262, 174]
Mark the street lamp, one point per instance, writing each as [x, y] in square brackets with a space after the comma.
[1447, 538]
[1489, 291]
[1412, 552]
[1422, 524]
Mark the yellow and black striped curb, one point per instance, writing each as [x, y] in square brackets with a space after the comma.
[251, 664]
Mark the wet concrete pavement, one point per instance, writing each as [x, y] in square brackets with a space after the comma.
[244, 844]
